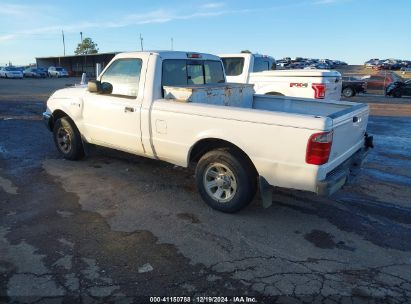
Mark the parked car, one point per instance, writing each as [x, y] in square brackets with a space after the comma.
[11, 72]
[316, 84]
[371, 63]
[405, 70]
[398, 88]
[34, 72]
[57, 72]
[352, 86]
[378, 81]
[145, 103]
[43, 70]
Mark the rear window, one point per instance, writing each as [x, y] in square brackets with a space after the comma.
[233, 66]
[263, 64]
[191, 72]
[59, 69]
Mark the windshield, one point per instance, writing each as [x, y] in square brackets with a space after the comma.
[192, 72]
[59, 69]
[11, 69]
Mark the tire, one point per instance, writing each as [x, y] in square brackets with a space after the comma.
[397, 94]
[68, 139]
[348, 92]
[233, 181]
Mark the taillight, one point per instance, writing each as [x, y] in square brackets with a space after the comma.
[319, 148]
[319, 90]
[193, 55]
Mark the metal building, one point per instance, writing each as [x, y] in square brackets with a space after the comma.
[77, 64]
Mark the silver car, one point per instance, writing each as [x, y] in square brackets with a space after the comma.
[11, 72]
[57, 72]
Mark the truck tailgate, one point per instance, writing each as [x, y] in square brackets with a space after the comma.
[348, 133]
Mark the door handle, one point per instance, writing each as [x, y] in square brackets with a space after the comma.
[128, 109]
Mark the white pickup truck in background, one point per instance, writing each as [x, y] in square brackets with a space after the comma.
[260, 70]
[176, 107]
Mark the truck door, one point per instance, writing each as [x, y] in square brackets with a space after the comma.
[113, 118]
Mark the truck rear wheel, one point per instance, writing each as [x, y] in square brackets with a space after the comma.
[225, 180]
[348, 92]
[68, 139]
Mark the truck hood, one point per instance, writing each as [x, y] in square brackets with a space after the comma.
[299, 73]
[69, 93]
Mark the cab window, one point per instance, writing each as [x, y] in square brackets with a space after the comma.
[124, 76]
[177, 72]
[260, 64]
[233, 66]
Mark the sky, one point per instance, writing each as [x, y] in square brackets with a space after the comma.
[349, 30]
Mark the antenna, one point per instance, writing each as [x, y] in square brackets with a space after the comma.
[141, 42]
[172, 44]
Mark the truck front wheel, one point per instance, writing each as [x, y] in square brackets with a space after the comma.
[68, 139]
[225, 180]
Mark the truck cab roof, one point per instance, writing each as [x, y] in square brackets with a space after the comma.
[170, 55]
[245, 55]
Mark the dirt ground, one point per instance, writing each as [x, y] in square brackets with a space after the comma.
[361, 70]
[119, 228]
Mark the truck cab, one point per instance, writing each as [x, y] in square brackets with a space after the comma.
[238, 67]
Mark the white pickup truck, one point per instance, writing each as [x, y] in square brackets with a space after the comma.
[268, 140]
[260, 71]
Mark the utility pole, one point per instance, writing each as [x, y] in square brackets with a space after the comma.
[172, 44]
[141, 42]
[81, 37]
[64, 44]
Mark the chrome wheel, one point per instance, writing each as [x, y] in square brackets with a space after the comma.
[64, 140]
[220, 182]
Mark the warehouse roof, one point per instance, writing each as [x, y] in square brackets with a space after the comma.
[68, 56]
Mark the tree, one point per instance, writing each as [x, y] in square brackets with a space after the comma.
[87, 46]
[246, 51]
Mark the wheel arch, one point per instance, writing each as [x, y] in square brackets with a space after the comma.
[205, 145]
[272, 93]
[57, 114]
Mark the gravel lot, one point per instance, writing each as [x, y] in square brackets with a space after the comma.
[115, 227]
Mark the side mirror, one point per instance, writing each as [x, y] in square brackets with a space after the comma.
[106, 88]
[94, 86]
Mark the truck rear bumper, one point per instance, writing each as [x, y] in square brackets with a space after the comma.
[344, 173]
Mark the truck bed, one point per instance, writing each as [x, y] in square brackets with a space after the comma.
[346, 120]
[240, 95]
[305, 106]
